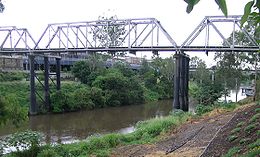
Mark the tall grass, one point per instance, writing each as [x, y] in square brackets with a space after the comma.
[145, 132]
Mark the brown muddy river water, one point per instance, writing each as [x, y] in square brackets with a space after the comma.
[69, 127]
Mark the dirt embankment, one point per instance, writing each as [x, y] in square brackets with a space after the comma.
[205, 137]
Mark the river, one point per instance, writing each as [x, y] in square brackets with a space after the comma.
[69, 127]
[74, 126]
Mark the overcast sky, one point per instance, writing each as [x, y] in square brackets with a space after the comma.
[36, 14]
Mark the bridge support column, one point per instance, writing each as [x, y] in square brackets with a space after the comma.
[186, 83]
[58, 68]
[46, 84]
[181, 80]
[176, 101]
[33, 104]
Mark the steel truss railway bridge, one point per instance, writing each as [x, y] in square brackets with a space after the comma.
[145, 35]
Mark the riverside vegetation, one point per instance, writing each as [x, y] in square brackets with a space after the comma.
[116, 86]
[99, 86]
[145, 132]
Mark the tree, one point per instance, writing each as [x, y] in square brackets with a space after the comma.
[221, 3]
[231, 64]
[2, 7]
[88, 70]
[201, 74]
[11, 111]
[108, 32]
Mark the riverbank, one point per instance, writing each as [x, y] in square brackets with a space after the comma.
[147, 134]
[217, 133]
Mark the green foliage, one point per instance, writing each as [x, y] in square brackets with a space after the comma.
[19, 89]
[27, 141]
[149, 129]
[150, 95]
[244, 140]
[59, 101]
[258, 132]
[254, 145]
[191, 4]
[251, 14]
[228, 106]
[11, 76]
[118, 89]
[236, 130]
[240, 124]
[3, 111]
[12, 111]
[88, 70]
[255, 118]
[252, 153]
[109, 33]
[232, 138]
[250, 128]
[202, 109]
[221, 3]
[202, 88]
[48, 153]
[257, 110]
[232, 152]
[2, 7]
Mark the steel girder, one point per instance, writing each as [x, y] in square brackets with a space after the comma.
[210, 21]
[102, 33]
[146, 34]
[13, 38]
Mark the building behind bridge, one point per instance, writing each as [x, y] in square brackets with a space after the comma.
[11, 63]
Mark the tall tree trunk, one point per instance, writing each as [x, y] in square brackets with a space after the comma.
[236, 88]
[254, 98]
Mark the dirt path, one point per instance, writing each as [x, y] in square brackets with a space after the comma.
[189, 140]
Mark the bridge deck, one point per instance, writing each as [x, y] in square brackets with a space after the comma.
[134, 49]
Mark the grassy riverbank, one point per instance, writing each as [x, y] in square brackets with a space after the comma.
[148, 131]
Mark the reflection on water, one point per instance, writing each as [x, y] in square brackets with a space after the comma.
[69, 127]
[232, 96]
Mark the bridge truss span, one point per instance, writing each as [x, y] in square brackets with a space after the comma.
[212, 27]
[14, 39]
[105, 33]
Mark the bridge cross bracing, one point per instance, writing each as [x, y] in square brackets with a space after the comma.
[146, 34]
[14, 39]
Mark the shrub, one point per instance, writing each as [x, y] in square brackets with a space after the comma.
[250, 128]
[96, 95]
[240, 124]
[28, 141]
[11, 110]
[202, 109]
[231, 152]
[255, 118]
[244, 140]
[48, 153]
[59, 101]
[12, 76]
[232, 138]
[81, 98]
[228, 106]
[257, 110]
[254, 145]
[236, 130]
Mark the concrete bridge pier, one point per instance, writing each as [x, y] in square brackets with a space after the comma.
[181, 82]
